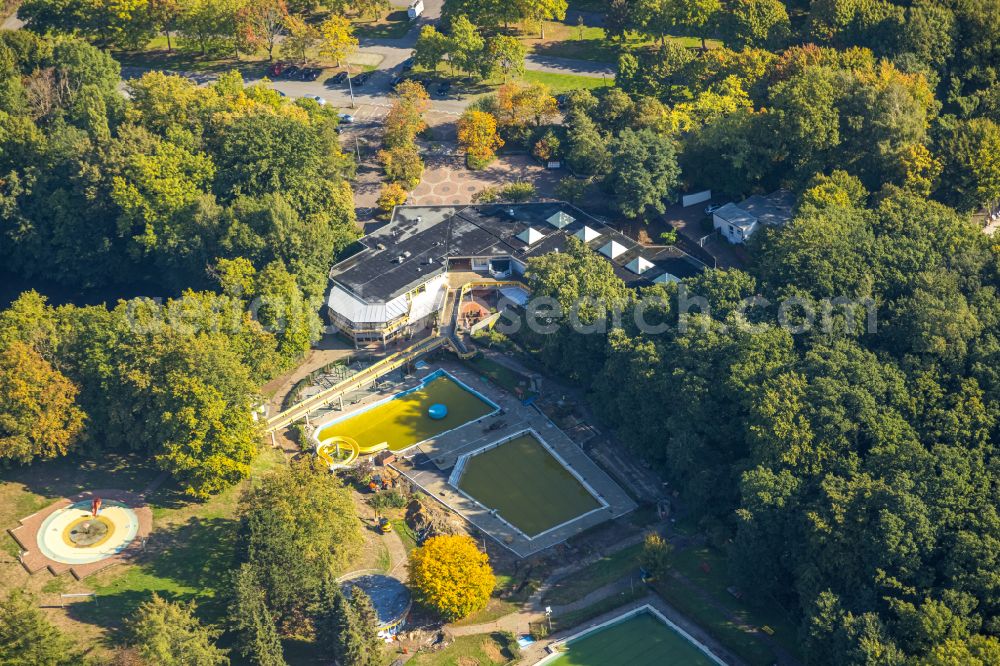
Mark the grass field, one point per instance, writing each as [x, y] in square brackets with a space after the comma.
[403, 421]
[527, 486]
[500, 374]
[393, 25]
[642, 640]
[560, 83]
[478, 650]
[606, 570]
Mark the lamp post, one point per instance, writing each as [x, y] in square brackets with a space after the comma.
[350, 85]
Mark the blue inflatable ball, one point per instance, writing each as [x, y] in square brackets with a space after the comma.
[437, 411]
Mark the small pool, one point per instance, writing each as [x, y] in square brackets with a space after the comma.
[401, 421]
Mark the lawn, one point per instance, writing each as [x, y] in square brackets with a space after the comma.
[189, 555]
[392, 26]
[591, 43]
[500, 374]
[493, 649]
[402, 421]
[527, 486]
[560, 83]
[642, 640]
[716, 581]
[495, 609]
[602, 572]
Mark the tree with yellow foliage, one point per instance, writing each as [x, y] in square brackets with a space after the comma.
[477, 134]
[337, 40]
[392, 195]
[451, 576]
[39, 417]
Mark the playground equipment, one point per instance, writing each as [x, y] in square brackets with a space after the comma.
[330, 451]
[384, 526]
[437, 411]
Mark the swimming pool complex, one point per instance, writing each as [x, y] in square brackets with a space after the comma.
[402, 421]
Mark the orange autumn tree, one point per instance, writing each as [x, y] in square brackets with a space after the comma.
[477, 134]
[451, 576]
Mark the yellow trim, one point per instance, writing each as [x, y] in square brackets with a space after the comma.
[83, 519]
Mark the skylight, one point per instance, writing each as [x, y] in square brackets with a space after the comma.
[613, 249]
[587, 234]
[530, 236]
[639, 265]
[560, 220]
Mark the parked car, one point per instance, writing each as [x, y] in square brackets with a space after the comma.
[276, 69]
[360, 79]
[312, 74]
[444, 88]
[345, 117]
[290, 71]
[339, 77]
[319, 100]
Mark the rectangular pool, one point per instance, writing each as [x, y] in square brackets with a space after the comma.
[640, 638]
[526, 484]
[401, 421]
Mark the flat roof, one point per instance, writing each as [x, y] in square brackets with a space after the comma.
[418, 241]
[774, 208]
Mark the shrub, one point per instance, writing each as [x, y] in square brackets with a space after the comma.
[518, 192]
[389, 499]
[572, 189]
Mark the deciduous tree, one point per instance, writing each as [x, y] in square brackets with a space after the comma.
[451, 577]
[39, 417]
[337, 40]
[477, 134]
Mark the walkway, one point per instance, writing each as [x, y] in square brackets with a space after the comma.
[369, 375]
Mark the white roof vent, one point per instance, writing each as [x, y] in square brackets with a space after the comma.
[530, 236]
[613, 249]
[587, 234]
[639, 265]
[560, 220]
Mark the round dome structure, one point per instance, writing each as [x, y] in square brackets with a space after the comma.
[437, 411]
[389, 596]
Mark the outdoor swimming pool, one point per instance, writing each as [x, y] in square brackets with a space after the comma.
[525, 483]
[401, 421]
[642, 637]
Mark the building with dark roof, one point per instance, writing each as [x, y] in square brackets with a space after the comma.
[397, 280]
[737, 222]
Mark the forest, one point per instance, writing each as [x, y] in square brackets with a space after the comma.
[232, 198]
[850, 473]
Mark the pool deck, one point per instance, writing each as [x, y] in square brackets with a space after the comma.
[428, 466]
